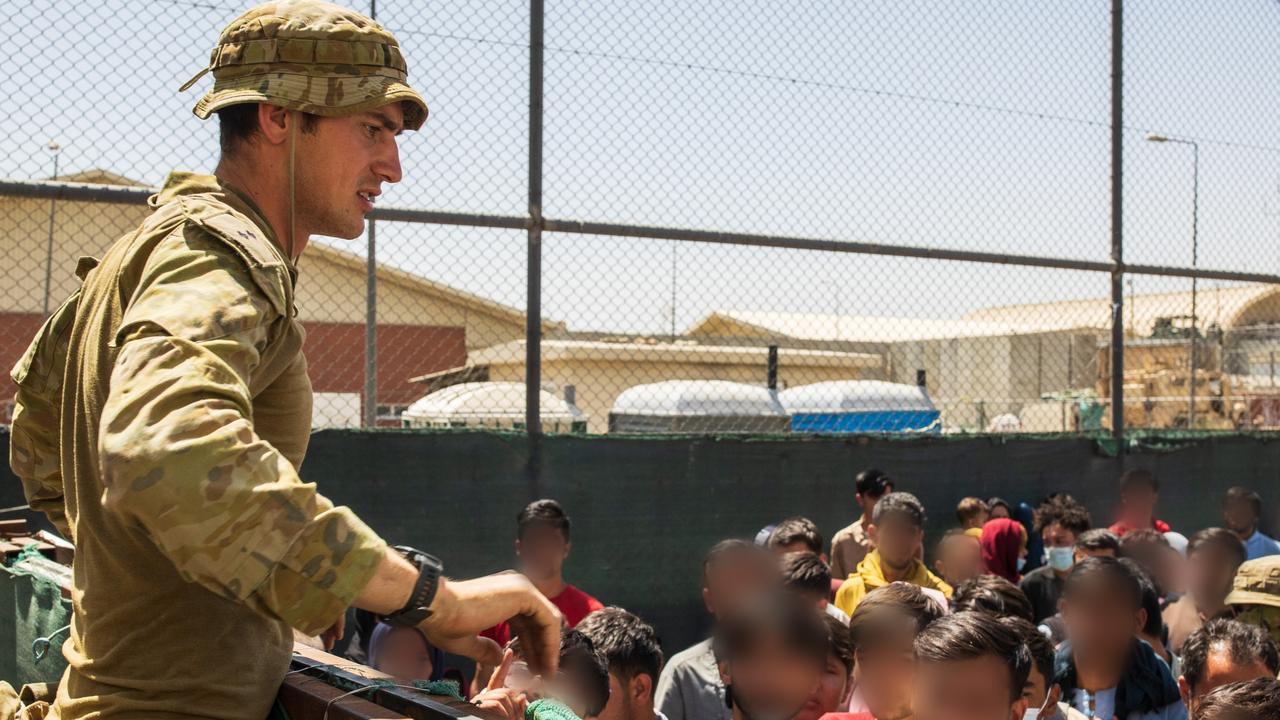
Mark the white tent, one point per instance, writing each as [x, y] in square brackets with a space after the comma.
[698, 406]
[489, 404]
[853, 396]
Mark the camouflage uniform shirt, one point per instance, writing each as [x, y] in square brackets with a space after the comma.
[161, 417]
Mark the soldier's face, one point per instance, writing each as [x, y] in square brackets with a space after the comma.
[342, 167]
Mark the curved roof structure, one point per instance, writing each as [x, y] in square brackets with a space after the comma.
[854, 396]
[686, 398]
[488, 401]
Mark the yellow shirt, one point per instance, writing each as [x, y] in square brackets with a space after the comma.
[871, 576]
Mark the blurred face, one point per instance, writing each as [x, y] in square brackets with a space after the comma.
[976, 689]
[831, 692]
[1210, 570]
[896, 539]
[404, 655]
[883, 673]
[629, 699]
[341, 167]
[1101, 621]
[1239, 517]
[735, 578]
[772, 682]
[959, 559]
[1139, 504]
[542, 550]
[1219, 670]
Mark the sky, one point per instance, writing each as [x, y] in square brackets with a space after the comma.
[972, 124]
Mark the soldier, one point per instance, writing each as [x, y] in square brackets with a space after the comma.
[164, 409]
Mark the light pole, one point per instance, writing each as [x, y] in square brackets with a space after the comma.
[53, 148]
[1195, 223]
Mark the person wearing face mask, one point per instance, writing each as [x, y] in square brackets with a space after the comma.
[1004, 548]
[1060, 522]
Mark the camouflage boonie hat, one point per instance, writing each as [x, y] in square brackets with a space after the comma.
[309, 56]
[1257, 582]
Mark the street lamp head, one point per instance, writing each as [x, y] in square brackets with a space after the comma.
[1156, 137]
[53, 147]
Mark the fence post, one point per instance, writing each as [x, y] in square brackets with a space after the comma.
[1117, 219]
[371, 329]
[533, 318]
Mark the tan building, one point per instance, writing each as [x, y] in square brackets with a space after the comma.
[422, 324]
[594, 372]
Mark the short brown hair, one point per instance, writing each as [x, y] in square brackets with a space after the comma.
[886, 608]
[969, 636]
[1222, 538]
[1139, 476]
[237, 124]
[841, 641]
[970, 508]
[797, 530]
[1064, 511]
[1253, 700]
[994, 595]
[805, 573]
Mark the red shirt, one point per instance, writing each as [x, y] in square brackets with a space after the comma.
[1121, 528]
[572, 603]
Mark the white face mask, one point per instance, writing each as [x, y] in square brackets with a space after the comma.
[1061, 558]
[1022, 563]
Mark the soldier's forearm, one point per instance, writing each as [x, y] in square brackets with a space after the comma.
[391, 585]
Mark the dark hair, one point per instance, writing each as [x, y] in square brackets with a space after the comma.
[886, 608]
[805, 573]
[629, 644]
[1038, 644]
[1116, 574]
[994, 595]
[1139, 476]
[797, 530]
[1221, 537]
[970, 508]
[899, 503]
[1145, 547]
[238, 123]
[873, 483]
[543, 512]
[840, 641]
[731, 548]
[785, 616]
[1244, 494]
[1253, 700]
[993, 502]
[1242, 642]
[968, 636]
[1099, 540]
[580, 658]
[1063, 510]
[1150, 599]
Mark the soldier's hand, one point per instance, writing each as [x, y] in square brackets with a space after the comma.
[464, 608]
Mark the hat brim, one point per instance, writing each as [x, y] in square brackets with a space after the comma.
[324, 95]
[1252, 597]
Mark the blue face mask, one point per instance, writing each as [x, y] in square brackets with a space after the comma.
[1022, 562]
[1061, 558]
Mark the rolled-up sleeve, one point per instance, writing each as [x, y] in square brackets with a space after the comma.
[180, 457]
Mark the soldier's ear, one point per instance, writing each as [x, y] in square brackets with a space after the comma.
[273, 122]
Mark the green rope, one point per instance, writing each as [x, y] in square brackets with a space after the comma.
[447, 688]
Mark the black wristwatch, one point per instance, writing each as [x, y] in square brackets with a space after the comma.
[418, 608]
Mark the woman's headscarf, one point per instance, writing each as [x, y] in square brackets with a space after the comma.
[380, 633]
[1001, 546]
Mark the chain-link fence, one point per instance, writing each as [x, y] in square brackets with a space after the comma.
[739, 217]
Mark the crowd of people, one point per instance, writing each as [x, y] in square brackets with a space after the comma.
[1024, 612]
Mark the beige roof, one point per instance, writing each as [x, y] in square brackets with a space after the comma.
[513, 353]
[98, 176]
[1229, 307]
[848, 328]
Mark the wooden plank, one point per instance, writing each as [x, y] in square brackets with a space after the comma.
[308, 698]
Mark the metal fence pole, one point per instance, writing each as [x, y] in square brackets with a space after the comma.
[1117, 219]
[371, 330]
[533, 319]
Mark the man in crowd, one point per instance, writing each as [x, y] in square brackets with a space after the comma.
[631, 649]
[690, 685]
[1255, 595]
[991, 594]
[808, 576]
[1039, 683]
[542, 546]
[972, 513]
[970, 666]
[1139, 493]
[1152, 552]
[1242, 511]
[796, 534]
[883, 629]
[851, 544]
[771, 650]
[1097, 543]
[1213, 556]
[958, 557]
[164, 410]
[1103, 669]
[1223, 652]
[1060, 522]
[897, 529]
[1153, 631]
[832, 694]
[1253, 700]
